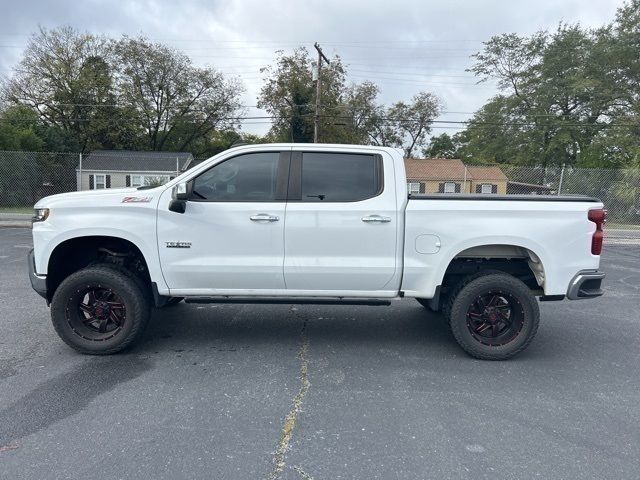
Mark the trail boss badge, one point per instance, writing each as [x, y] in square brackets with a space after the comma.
[178, 244]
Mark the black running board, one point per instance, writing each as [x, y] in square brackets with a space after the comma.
[292, 300]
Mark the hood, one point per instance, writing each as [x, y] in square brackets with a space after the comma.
[97, 197]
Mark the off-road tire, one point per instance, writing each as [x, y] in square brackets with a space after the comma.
[447, 300]
[129, 288]
[524, 303]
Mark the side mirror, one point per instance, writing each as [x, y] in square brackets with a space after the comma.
[182, 191]
[179, 196]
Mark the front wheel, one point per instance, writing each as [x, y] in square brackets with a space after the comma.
[494, 317]
[99, 310]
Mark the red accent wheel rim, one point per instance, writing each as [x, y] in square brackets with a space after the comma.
[495, 318]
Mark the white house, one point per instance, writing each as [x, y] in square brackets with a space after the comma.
[124, 168]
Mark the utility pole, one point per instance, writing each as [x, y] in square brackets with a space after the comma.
[316, 123]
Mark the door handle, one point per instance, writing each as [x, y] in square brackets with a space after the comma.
[376, 219]
[264, 217]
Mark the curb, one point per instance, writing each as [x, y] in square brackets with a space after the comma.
[14, 224]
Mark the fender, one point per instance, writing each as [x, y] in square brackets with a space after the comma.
[455, 250]
[149, 250]
[427, 272]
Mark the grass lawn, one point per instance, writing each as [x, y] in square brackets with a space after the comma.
[16, 210]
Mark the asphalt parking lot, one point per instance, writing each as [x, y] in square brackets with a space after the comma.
[315, 392]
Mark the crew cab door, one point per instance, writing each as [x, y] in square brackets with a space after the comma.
[342, 221]
[231, 235]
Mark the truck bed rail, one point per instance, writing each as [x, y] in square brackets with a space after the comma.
[514, 198]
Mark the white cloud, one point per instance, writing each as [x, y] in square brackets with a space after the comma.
[405, 46]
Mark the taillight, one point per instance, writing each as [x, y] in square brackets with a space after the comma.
[599, 217]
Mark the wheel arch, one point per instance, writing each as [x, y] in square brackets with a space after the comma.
[495, 253]
[76, 252]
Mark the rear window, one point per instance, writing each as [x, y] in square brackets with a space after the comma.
[338, 177]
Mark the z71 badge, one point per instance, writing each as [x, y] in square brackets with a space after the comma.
[178, 244]
[137, 199]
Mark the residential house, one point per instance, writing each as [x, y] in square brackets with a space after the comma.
[440, 175]
[123, 168]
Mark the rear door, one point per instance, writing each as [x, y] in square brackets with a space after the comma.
[341, 223]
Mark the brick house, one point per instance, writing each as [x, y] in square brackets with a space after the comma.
[439, 175]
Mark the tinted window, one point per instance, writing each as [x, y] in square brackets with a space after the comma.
[245, 178]
[333, 177]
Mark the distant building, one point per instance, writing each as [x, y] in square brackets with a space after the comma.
[123, 168]
[439, 175]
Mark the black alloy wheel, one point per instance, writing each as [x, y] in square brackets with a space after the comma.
[495, 318]
[96, 313]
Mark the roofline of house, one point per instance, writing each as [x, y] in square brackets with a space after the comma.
[134, 172]
[452, 179]
[139, 152]
[440, 179]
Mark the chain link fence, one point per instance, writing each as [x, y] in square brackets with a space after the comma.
[619, 189]
[26, 177]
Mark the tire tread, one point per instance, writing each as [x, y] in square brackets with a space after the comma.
[140, 316]
[489, 280]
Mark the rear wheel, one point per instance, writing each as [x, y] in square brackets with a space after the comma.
[494, 317]
[99, 310]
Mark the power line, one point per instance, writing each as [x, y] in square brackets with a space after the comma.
[402, 120]
[452, 112]
[288, 40]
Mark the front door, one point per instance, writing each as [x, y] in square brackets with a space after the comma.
[342, 221]
[231, 235]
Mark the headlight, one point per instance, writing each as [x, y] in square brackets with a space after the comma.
[40, 215]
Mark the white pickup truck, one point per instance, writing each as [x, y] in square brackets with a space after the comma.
[300, 223]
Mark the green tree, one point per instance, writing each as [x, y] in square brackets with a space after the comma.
[567, 97]
[348, 113]
[289, 93]
[65, 76]
[412, 121]
[91, 92]
[175, 102]
[19, 128]
[442, 146]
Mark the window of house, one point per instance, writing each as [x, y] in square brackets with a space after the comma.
[340, 177]
[486, 188]
[137, 180]
[100, 181]
[245, 178]
[450, 187]
[414, 187]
